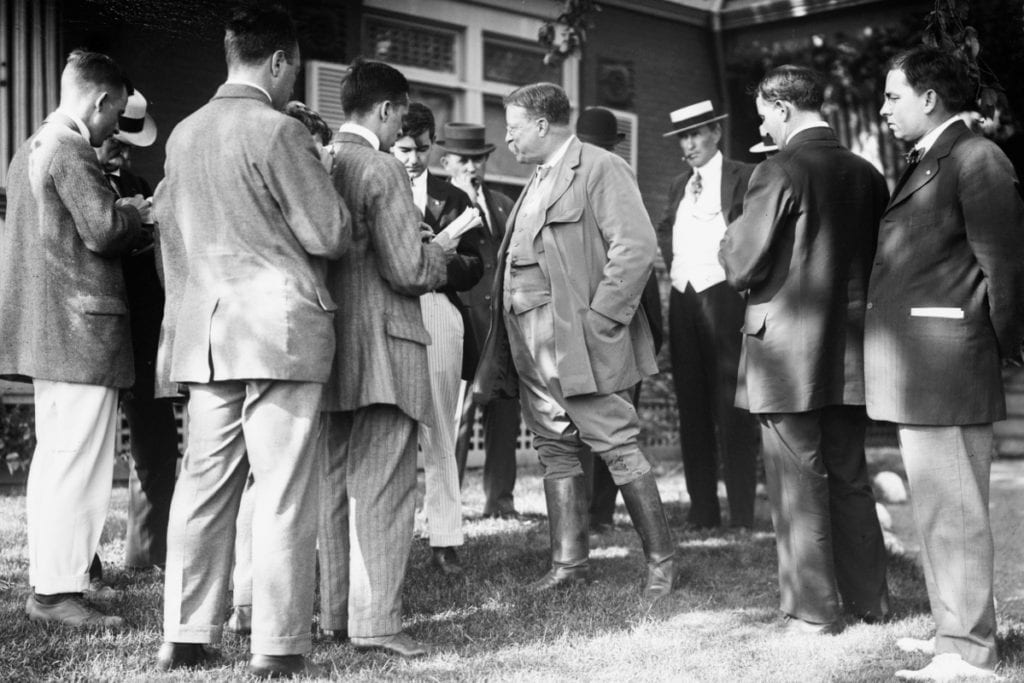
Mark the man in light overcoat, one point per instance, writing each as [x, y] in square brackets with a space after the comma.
[945, 306]
[247, 219]
[565, 331]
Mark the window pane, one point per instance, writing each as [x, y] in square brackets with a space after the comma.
[515, 63]
[399, 43]
[501, 162]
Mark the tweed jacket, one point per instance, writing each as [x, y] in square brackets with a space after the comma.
[63, 309]
[382, 344]
[247, 215]
[596, 247]
[445, 203]
[488, 239]
[735, 177]
[803, 248]
[946, 300]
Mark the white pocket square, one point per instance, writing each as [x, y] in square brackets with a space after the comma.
[938, 312]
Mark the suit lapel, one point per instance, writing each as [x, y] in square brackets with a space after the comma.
[929, 166]
[563, 173]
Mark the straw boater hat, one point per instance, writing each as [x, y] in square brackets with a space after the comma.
[598, 127]
[464, 138]
[135, 126]
[694, 116]
[765, 146]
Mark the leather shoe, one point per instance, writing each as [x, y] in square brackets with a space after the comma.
[401, 644]
[797, 626]
[502, 510]
[240, 621]
[99, 591]
[284, 666]
[561, 577]
[948, 666]
[183, 656]
[72, 611]
[917, 646]
[446, 560]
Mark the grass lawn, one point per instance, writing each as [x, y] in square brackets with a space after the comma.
[721, 624]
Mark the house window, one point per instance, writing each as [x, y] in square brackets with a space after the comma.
[397, 42]
[515, 62]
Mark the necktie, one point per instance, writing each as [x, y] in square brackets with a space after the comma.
[695, 186]
[913, 157]
[112, 181]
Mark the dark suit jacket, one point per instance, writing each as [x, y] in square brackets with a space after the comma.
[145, 297]
[478, 299]
[63, 309]
[445, 203]
[952, 237]
[803, 248]
[735, 177]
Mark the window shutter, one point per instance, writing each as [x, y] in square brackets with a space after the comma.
[627, 147]
[323, 90]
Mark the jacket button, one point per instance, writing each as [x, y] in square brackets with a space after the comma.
[870, 305]
[487, 297]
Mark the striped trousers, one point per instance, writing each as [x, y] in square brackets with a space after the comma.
[442, 500]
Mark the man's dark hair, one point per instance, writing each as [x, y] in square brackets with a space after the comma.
[254, 33]
[803, 87]
[541, 100]
[313, 122]
[418, 120]
[928, 68]
[368, 83]
[98, 69]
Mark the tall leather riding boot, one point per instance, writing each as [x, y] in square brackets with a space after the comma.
[567, 518]
[644, 505]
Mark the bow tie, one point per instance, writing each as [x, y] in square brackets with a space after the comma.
[914, 156]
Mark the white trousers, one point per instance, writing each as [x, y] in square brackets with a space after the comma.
[442, 500]
[69, 482]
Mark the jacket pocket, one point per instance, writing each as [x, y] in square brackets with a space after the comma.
[407, 329]
[103, 305]
[558, 214]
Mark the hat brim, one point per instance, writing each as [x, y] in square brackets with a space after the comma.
[677, 131]
[603, 142]
[456, 148]
[144, 138]
[762, 148]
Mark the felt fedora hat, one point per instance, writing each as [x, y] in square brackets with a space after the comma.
[598, 126]
[693, 116]
[135, 126]
[464, 138]
[765, 146]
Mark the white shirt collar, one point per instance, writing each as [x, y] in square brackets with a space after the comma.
[807, 126]
[926, 142]
[361, 131]
[79, 124]
[712, 168]
[240, 81]
[559, 153]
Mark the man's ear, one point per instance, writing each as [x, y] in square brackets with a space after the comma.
[385, 110]
[543, 126]
[931, 101]
[277, 62]
[101, 100]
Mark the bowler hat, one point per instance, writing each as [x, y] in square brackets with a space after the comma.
[598, 126]
[693, 116]
[135, 126]
[464, 138]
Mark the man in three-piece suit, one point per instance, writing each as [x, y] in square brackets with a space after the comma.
[705, 317]
[247, 218]
[565, 334]
[465, 158]
[945, 306]
[153, 433]
[803, 248]
[64, 316]
[451, 354]
[379, 388]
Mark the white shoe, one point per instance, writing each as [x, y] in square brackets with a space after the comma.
[947, 667]
[917, 646]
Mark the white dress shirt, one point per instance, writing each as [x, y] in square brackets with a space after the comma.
[698, 232]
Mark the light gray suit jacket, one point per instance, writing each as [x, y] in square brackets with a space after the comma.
[247, 216]
[382, 345]
[63, 310]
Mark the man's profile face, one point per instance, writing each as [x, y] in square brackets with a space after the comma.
[522, 135]
[413, 152]
[113, 155]
[466, 171]
[700, 144]
[904, 108]
[102, 121]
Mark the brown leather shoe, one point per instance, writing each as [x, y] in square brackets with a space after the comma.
[446, 560]
[401, 644]
[73, 612]
[184, 656]
[284, 666]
